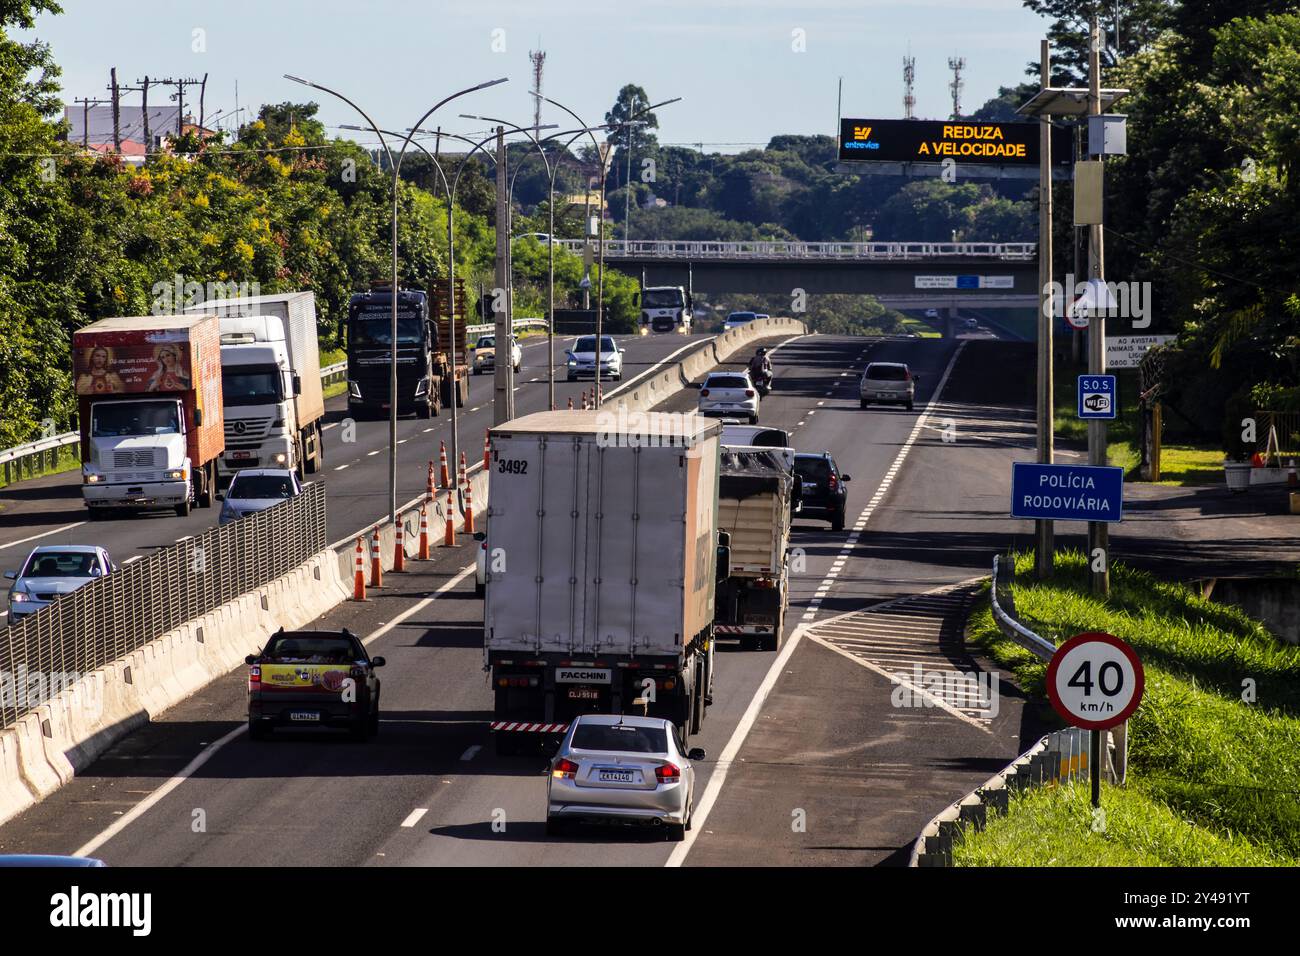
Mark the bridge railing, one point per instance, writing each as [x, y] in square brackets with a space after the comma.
[782, 249]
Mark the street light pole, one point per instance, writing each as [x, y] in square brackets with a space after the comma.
[397, 168]
[1098, 531]
[1044, 530]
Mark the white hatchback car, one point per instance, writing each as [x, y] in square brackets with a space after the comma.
[730, 395]
[485, 354]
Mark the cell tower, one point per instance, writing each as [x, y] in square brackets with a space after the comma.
[956, 64]
[909, 81]
[539, 62]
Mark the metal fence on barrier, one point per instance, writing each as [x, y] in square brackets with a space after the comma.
[113, 616]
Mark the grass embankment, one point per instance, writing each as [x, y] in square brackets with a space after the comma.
[1179, 464]
[921, 328]
[1214, 761]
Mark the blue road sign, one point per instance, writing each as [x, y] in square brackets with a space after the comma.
[968, 282]
[1098, 396]
[1067, 492]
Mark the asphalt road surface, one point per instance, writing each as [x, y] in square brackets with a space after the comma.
[810, 759]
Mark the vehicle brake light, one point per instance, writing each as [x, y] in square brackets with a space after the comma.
[907, 375]
[567, 768]
[832, 482]
[254, 677]
[668, 773]
[704, 392]
[749, 393]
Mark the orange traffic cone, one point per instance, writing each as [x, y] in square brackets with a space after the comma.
[487, 448]
[442, 461]
[376, 565]
[449, 538]
[424, 534]
[359, 579]
[399, 548]
[462, 471]
[429, 487]
[469, 508]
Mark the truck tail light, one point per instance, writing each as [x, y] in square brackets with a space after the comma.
[666, 683]
[668, 773]
[254, 678]
[565, 768]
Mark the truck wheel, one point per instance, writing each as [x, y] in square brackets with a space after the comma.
[428, 410]
[183, 509]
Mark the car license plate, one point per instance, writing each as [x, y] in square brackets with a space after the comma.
[305, 715]
[241, 454]
[618, 776]
[583, 693]
[884, 394]
[809, 486]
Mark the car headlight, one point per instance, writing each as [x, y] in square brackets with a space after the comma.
[421, 387]
[176, 474]
[19, 597]
[354, 389]
[281, 458]
[90, 478]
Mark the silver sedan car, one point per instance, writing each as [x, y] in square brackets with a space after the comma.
[622, 769]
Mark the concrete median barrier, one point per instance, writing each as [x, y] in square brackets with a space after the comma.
[648, 393]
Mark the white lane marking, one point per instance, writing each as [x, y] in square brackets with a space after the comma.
[471, 752]
[326, 428]
[664, 361]
[729, 753]
[414, 817]
[132, 560]
[43, 534]
[369, 453]
[340, 467]
[145, 805]
[814, 604]
[429, 429]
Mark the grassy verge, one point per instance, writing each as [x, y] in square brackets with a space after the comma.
[923, 329]
[1214, 772]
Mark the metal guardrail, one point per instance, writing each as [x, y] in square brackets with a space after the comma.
[1004, 611]
[779, 249]
[517, 324]
[35, 458]
[111, 617]
[333, 374]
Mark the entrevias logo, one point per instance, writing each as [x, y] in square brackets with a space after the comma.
[861, 139]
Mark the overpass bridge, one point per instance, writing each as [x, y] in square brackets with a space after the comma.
[905, 274]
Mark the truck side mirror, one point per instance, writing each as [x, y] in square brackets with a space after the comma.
[198, 418]
[297, 384]
[724, 555]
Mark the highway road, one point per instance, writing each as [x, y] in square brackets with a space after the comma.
[806, 737]
[50, 511]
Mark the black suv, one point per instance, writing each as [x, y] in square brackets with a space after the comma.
[823, 488]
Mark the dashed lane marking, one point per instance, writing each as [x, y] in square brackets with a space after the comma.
[414, 816]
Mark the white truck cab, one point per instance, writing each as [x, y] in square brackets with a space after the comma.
[665, 308]
[258, 386]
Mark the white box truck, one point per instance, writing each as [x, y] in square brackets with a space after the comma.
[270, 374]
[665, 308]
[603, 555]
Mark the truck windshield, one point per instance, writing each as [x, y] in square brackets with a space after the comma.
[120, 419]
[661, 299]
[376, 331]
[251, 386]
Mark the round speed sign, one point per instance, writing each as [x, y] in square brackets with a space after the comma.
[1095, 681]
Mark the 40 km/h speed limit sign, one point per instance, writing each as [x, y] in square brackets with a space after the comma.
[1095, 681]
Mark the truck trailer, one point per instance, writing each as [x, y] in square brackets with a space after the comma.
[604, 602]
[271, 387]
[149, 391]
[754, 508]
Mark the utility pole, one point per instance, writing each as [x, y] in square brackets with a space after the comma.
[117, 110]
[502, 369]
[1044, 531]
[1098, 531]
[86, 103]
[627, 199]
[144, 112]
[956, 64]
[203, 89]
[538, 58]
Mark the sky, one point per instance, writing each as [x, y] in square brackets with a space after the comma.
[746, 69]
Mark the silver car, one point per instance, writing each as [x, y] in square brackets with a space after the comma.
[582, 358]
[622, 769]
[888, 383]
[53, 570]
[256, 489]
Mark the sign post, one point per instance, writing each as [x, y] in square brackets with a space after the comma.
[1095, 681]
